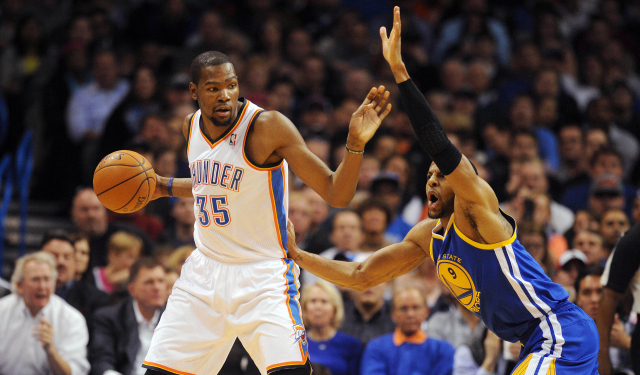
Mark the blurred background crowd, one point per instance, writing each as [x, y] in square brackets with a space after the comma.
[542, 95]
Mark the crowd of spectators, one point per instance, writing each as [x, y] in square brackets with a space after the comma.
[543, 96]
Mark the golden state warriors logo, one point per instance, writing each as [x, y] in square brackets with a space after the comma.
[457, 279]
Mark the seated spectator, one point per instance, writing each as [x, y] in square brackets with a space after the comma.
[369, 168]
[530, 181]
[410, 204]
[41, 333]
[178, 256]
[181, 232]
[346, 237]
[570, 264]
[408, 350]
[375, 216]
[81, 244]
[426, 278]
[535, 242]
[367, 315]
[318, 240]
[300, 214]
[590, 242]
[452, 323]
[522, 119]
[122, 333]
[323, 313]
[584, 220]
[613, 224]
[386, 187]
[606, 193]
[85, 297]
[90, 218]
[124, 249]
[605, 161]
[481, 354]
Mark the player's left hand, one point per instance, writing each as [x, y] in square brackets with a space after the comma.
[366, 120]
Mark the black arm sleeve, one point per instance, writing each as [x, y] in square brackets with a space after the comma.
[429, 131]
[626, 260]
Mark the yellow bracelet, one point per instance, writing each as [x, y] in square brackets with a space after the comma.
[354, 152]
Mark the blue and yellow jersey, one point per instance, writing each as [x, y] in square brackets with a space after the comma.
[500, 283]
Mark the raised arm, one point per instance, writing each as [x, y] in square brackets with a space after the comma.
[337, 188]
[473, 195]
[382, 266]
[431, 136]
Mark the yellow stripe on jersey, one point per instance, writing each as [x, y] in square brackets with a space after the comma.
[522, 367]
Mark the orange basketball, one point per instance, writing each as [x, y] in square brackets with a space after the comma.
[124, 181]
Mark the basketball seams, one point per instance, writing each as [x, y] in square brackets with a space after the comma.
[140, 164]
[136, 193]
[122, 182]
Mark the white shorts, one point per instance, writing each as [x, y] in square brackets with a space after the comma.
[212, 303]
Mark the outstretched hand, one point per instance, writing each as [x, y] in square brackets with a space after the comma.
[366, 120]
[391, 44]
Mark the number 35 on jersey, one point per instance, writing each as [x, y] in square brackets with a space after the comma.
[212, 208]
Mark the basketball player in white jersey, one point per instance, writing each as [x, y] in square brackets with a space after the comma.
[239, 281]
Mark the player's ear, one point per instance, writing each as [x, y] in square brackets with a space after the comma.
[193, 89]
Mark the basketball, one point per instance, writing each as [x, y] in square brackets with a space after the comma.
[124, 181]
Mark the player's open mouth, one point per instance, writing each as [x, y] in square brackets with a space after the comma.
[432, 198]
[223, 112]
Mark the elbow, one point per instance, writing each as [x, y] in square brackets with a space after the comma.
[362, 281]
[339, 203]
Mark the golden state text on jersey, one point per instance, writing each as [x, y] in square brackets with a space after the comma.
[500, 283]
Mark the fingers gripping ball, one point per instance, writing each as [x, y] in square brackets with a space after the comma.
[124, 181]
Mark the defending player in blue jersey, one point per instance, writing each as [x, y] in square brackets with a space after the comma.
[476, 252]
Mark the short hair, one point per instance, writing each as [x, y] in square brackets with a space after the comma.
[591, 270]
[38, 257]
[334, 297]
[406, 289]
[608, 151]
[178, 256]
[121, 241]
[205, 59]
[144, 262]
[57, 234]
[375, 203]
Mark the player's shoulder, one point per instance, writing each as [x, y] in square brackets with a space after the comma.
[420, 234]
[185, 125]
[272, 118]
[273, 123]
[424, 226]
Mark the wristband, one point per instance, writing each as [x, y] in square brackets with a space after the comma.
[354, 152]
[169, 186]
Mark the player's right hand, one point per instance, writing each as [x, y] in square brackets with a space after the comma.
[391, 45]
[292, 248]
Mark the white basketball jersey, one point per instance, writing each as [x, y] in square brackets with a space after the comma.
[240, 208]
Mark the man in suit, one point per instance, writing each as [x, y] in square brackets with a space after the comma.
[121, 334]
[85, 297]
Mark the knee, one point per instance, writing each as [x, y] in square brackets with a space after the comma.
[302, 370]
